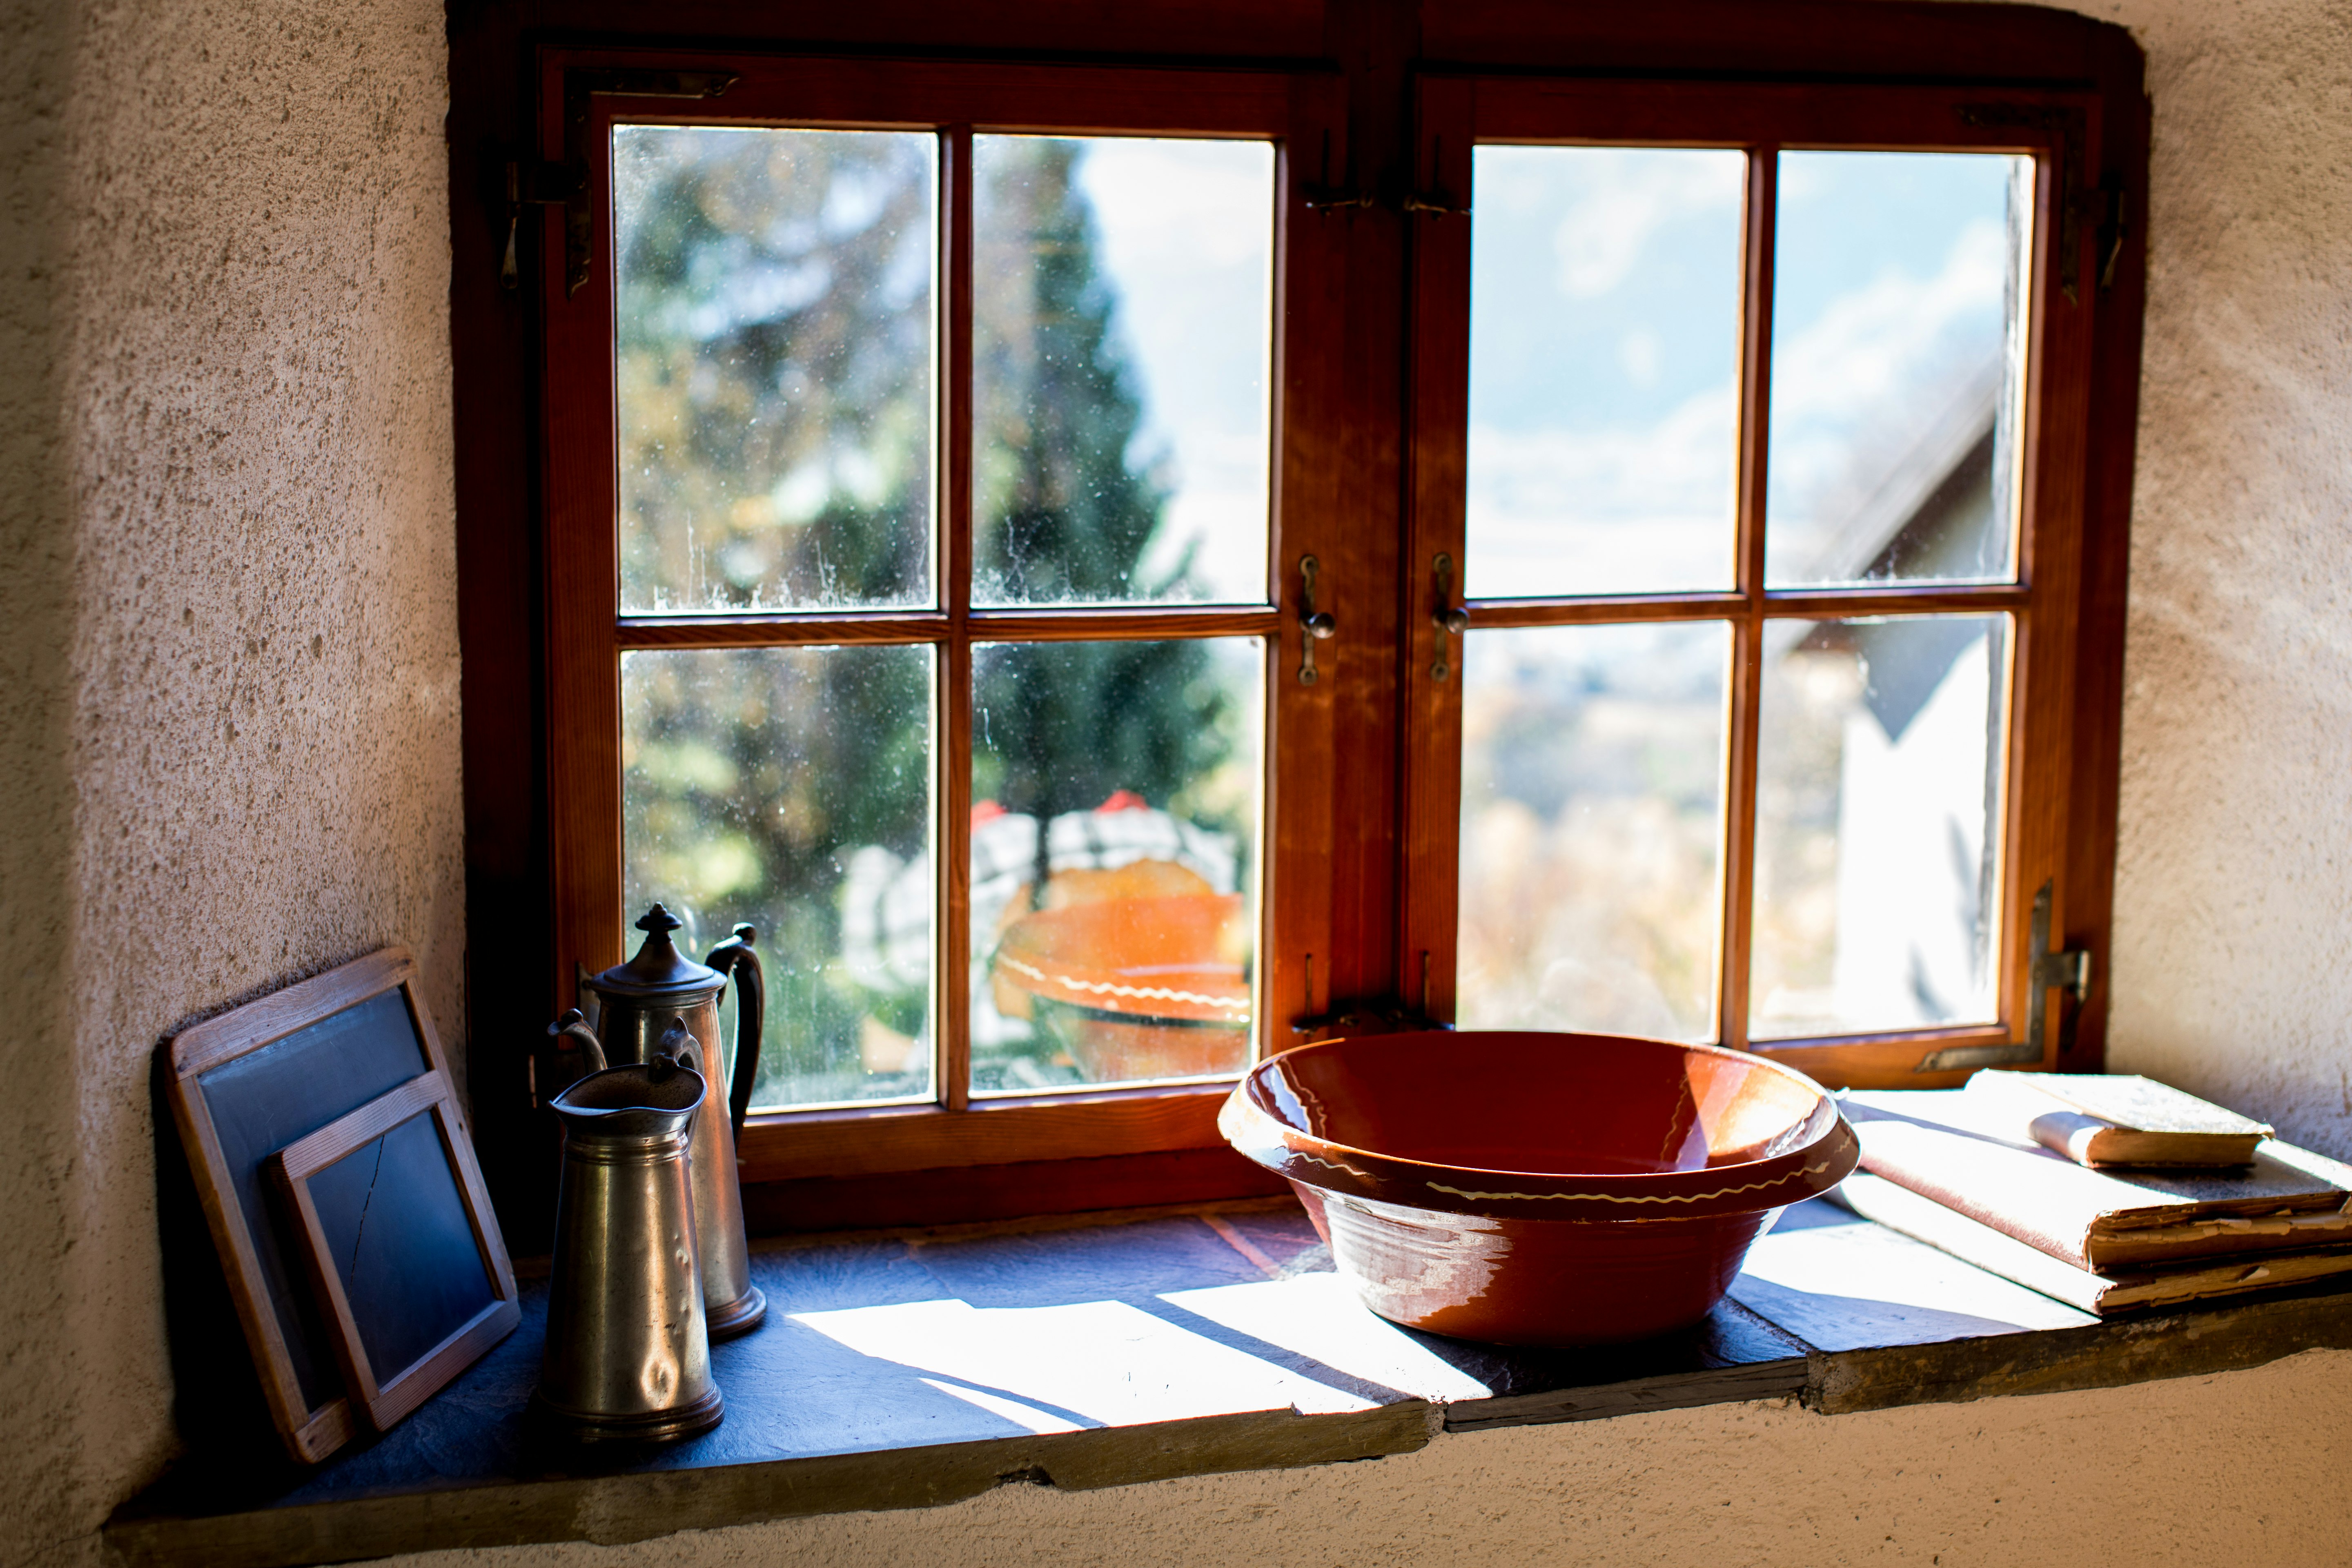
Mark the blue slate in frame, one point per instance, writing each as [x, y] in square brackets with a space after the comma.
[242, 1085]
[401, 1245]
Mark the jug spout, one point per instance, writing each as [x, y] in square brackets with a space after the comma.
[573, 1027]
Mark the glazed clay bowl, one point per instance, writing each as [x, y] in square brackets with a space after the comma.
[1539, 1189]
[1136, 988]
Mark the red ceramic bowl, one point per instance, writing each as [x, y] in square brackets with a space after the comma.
[1137, 988]
[1535, 1188]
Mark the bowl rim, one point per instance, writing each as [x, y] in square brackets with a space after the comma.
[1266, 1139]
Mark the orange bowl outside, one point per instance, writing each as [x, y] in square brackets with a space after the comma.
[1545, 1189]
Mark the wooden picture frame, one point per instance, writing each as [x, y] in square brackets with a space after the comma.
[247, 1083]
[388, 1258]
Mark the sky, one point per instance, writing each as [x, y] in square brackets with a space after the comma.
[1604, 326]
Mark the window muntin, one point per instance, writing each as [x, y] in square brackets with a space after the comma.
[1977, 560]
[778, 366]
[1872, 848]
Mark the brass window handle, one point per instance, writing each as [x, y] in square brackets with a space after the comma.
[1449, 619]
[1318, 625]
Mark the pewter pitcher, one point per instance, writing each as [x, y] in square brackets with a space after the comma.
[636, 1003]
[628, 1352]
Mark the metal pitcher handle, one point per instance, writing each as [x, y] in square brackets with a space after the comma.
[735, 958]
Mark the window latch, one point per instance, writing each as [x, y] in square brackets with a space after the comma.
[2068, 970]
[1449, 619]
[1317, 626]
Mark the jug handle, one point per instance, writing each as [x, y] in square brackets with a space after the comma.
[573, 1027]
[734, 957]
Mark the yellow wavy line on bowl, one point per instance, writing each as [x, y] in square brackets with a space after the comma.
[1331, 1165]
[1111, 988]
[1652, 1199]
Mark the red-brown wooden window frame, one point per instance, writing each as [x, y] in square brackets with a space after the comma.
[1368, 732]
[2059, 131]
[588, 634]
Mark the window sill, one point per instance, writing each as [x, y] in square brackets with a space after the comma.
[902, 1373]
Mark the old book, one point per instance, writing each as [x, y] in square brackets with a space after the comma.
[2102, 1119]
[1967, 1154]
[2104, 1295]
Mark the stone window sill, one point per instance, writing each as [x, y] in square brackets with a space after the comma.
[910, 1372]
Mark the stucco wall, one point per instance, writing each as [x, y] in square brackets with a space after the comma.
[2234, 894]
[2243, 1468]
[228, 621]
[228, 749]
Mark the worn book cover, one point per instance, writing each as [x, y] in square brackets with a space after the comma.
[1967, 1154]
[2103, 1295]
[2112, 1118]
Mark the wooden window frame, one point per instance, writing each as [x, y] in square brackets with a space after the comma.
[1348, 832]
[583, 94]
[2059, 131]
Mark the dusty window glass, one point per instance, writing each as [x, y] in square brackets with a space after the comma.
[791, 788]
[1122, 301]
[1604, 344]
[1898, 356]
[1591, 828]
[1878, 796]
[774, 334]
[1116, 796]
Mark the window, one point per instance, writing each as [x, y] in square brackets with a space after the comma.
[1747, 505]
[944, 461]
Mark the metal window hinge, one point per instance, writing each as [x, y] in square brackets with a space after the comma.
[2068, 970]
[2108, 211]
[2064, 123]
[579, 210]
[535, 184]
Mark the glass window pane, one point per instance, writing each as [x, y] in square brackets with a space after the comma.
[1591, 827]
[791, 788]
[1119, 944]
[1604, 337]
[1877, 824]
[1122, 302]
[1898, 342]
[773, 318]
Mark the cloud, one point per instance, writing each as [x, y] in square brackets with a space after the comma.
[1624, 197]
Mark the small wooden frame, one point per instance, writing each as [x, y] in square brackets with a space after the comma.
[401, 1245]
[248, 1083]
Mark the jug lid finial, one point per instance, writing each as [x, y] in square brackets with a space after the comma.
[659, 969]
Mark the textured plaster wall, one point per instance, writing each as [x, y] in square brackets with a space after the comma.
[2234, 934]
[2244, 1469]
[228, 648]
[229, 756]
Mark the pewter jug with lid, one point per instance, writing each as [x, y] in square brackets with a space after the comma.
[628, 1351]
[636, 1005]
